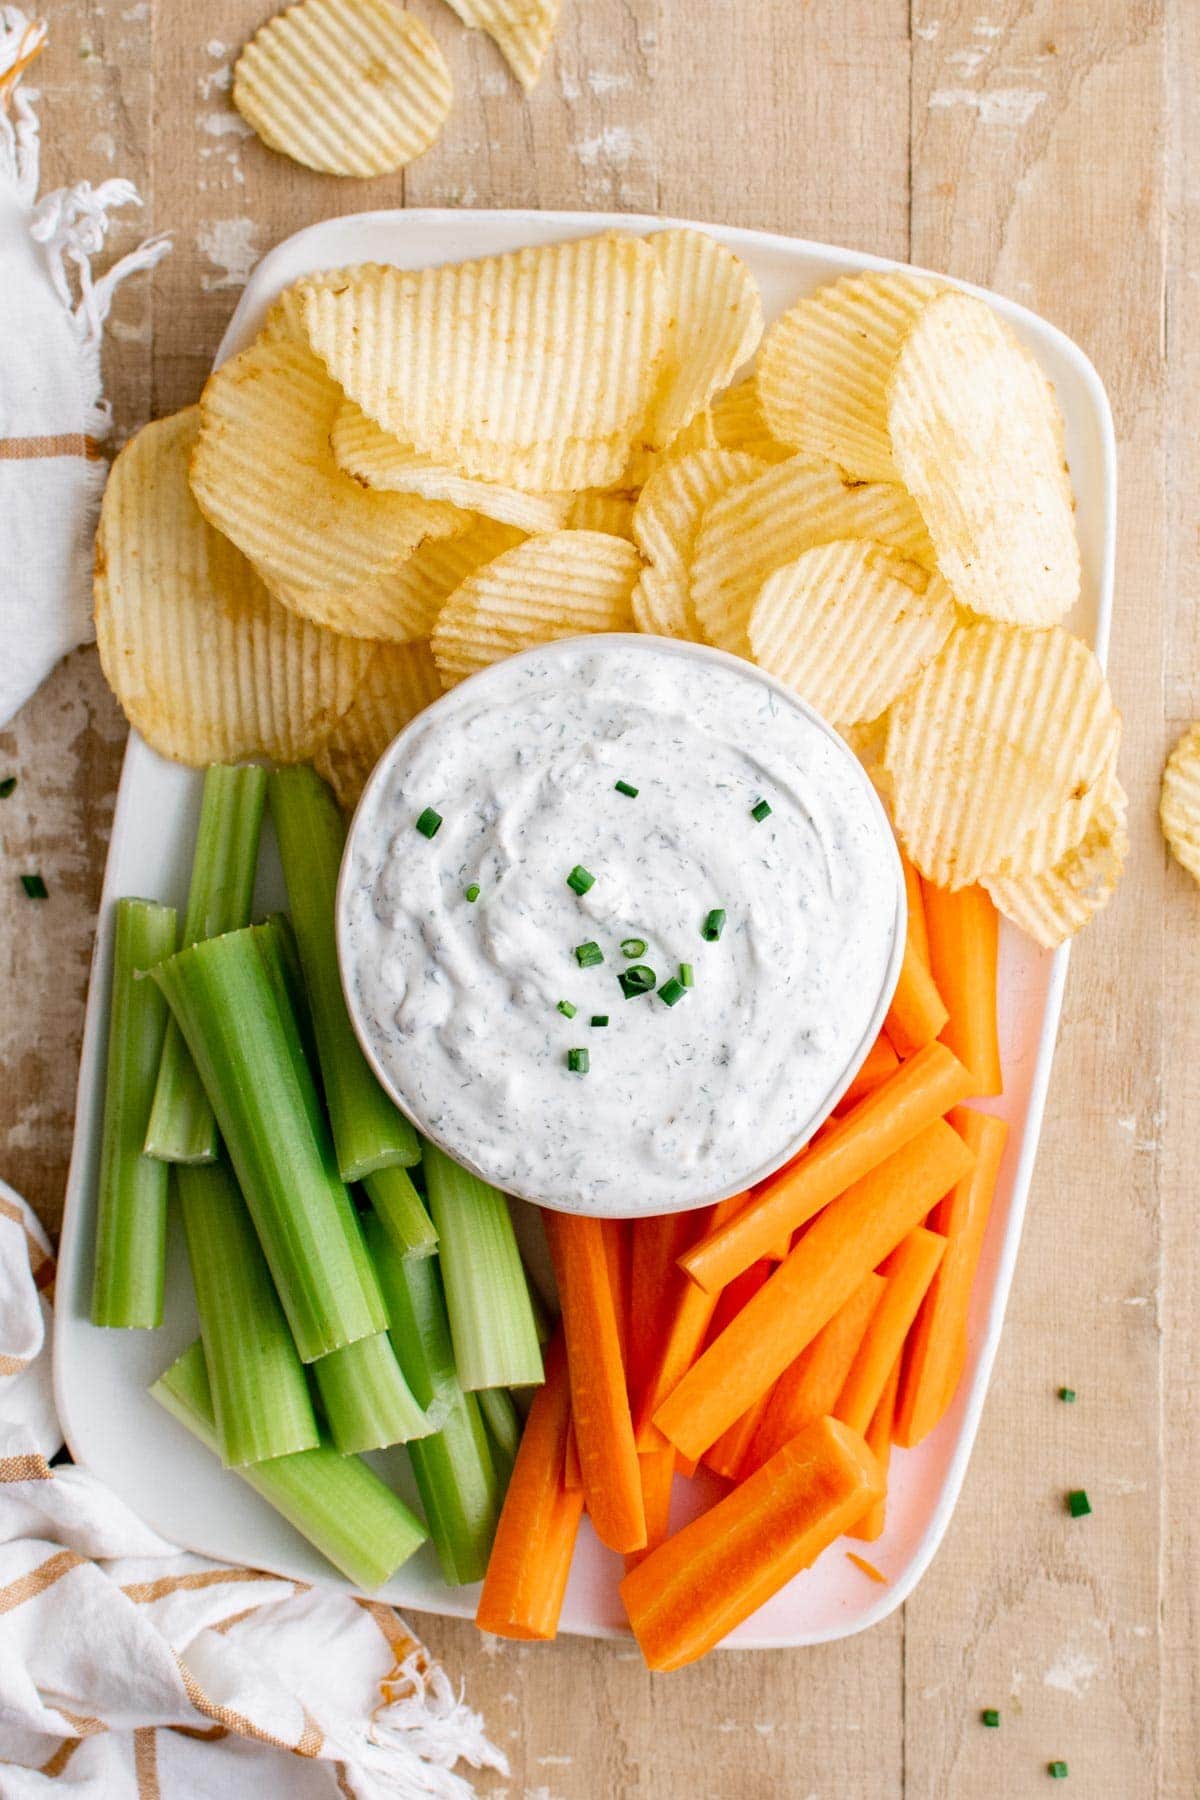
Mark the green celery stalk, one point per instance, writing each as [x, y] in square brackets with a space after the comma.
[278, 945]
[244, 1040]
[491, 1318]
[366, 1399]
[402, 1210]
[543, 1324]
[454, 1469]
[260, 1396]
[336, 1502]
[182, 1128]
[503, 1423]
[368, 1130]
[131, 1223]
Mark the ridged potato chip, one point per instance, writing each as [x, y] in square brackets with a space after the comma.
[206, 665]
[738, 423]
[264, 474]
[349, 87]
[1064, 828]
[534, 368]
[402, 604]
[378, 460]
[521, 28]
[560, 585]
[665, 520]
[593, 511]
[1179, 801]
[751, 531]
[661, 606]
[400, 681]
[977, 439]
[716, 322]
[285, 315]
[849, 625]
[993, 736]
[824, 368]
[1053, 906]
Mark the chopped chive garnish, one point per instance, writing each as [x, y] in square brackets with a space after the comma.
[599, 1019]
[714, 925]
[35, 887]
[588, 955]
[1067, 1394]
[578, 1061]
[633, 946]
[10, 782]
[429, 823]
[760, 811]
[1078, 1504]
[687, 975]
[671, 991]
[1057, 1771]
[990, 1716]
[623, 787]
[471, 893]
[638, 980]
[566, 1009]
[580, 879]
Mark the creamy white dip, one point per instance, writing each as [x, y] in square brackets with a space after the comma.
[456, 1001]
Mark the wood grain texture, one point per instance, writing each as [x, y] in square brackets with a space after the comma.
[1045, 148]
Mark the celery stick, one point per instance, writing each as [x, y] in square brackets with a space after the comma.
[503, 1428]
[278, 945]
[402, 1210]
[182, 1128]
[366, 1399]
[336, 1502]
[131, 1224]
[260, 1396]
[370, 1133]
[244, 1040]
[454, 1470]
[491, 1319]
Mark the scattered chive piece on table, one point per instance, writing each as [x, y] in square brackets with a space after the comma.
[10, 782]
[578, 1061]
[1057, 1771]
[471, 893]
[671, 991]
[990, 1716]
[34, 887]
[760, 811]
[687, 975]
[638, 980]
[429, 823]
[714, 925]
[598, 1019]
[580, 879]
[633, 946]
[1067, 1395]
[623, 787]
[588, 955]
[1078, 1504]
[566, 1009]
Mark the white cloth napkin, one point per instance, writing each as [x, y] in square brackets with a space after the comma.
[52, 415]
[129, 1668]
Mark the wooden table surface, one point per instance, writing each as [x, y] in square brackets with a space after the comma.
[1041, 147]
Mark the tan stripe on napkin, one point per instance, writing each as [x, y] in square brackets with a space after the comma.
[142, 1592]
[67, 443]
[145, 1763]
[38, 1580]
[40, 1261]
[84, 1723]
[27, 1467]
[311, 1738]
[54, 1765]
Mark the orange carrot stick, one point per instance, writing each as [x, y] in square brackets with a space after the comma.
[918, 929]
[692, 1591]
[879, 1438]
[618, 1250]
[906, 1103]
[918, 1013]
[572, 1473]
[657, 1470]
[612, 1488]
[879, 1063]
[654, 1286]
[809, 1386]
[724, 1457]
[854, 1233]
[681, 1342]
[527, 1570]
[934, 1353]
[909, 1270]
[963, 935]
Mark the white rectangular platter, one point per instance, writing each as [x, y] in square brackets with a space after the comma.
[112, 1426]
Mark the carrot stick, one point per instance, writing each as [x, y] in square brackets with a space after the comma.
[918, 929]
[905, 1104]
[879, 1438]
[654, 1285]
[727, 1456]
[657, 1470]
[680, 1344]
[810, 1385]
[527, 1570]
[909, 1270]
[963, 936]
[854, 1233]
[692, 1591]
[918, 1013]
[618, 1250]
[879, 1063]
[572, 1473]
[724, 1457]
[612, 1489]
[933, 1356]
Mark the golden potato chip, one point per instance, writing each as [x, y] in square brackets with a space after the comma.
[700, 434]
[738, 423]
[978, 442]
[849, 625]
[753, 530]
[716, 322]
[995, 734]
[350, 87]
[824, 368]
[285, 315]
[593, 511]
[867, 740]
[1053, 906]
[661, 606]
[378, 460]
[521, 28]
[556, 586]
[264, 474]
[665, 518]
[206, 665]
[1061, 830]
[400, 681]
[534, 368]
[1179, 802]
[401, 605]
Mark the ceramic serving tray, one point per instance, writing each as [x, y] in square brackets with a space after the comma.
[111, 1424]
